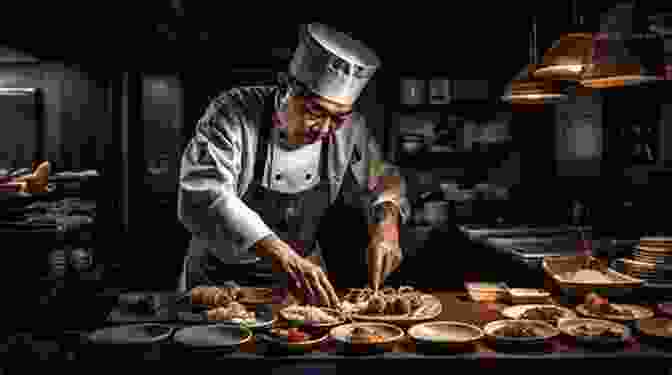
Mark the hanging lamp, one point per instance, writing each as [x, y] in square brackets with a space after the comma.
[525, 89]
[596, 60]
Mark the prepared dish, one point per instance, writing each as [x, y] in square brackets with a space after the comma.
[291, 335]
[601, 306]
[594, 330]
[517, 330]
[233, 311]
[547, 313]
[388, 301]
[214, 296]
[365, 335]
[311, 314]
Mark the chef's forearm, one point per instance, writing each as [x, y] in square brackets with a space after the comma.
[386, 222]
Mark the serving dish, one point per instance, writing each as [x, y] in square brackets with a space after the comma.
[445, 336]
[388, 335]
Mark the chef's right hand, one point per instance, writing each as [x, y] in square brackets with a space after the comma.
[307, 281]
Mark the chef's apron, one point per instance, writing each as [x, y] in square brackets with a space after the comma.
[294, 218]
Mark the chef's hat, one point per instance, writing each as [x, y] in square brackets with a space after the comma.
[332, 64]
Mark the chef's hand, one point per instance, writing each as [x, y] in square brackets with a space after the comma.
[384, 258]
[384, 253]
[307, 280]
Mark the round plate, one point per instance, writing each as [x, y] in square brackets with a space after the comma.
[446, 332]
[131, 334]
[256, 296]
[515, 312]
[569, 326]
[545, 331]
[213, 336]
[433, 309]
[331, 312]
[638, 311]
[301, 346]
[658, 327]
[389, 332]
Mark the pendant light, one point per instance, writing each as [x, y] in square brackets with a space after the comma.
[611, 65]
[596, 60]
[569, 55]
[525, 89]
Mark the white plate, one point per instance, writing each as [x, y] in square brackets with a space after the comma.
[213, 336]
[515, 312]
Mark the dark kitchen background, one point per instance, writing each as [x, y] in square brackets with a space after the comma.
[122, 88]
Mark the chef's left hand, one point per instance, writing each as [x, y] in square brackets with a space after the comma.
[384, 258]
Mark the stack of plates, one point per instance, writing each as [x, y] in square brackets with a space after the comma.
[651, 260]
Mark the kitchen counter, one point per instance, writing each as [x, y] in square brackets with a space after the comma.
[456, 307]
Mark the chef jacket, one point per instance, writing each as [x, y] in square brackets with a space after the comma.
[218, 164]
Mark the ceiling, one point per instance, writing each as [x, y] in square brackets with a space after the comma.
[476, 40]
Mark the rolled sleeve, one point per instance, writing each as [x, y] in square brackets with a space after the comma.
[209, 202]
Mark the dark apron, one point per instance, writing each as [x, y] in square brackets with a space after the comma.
[294, 218]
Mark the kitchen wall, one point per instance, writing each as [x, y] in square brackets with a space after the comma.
[76, 126]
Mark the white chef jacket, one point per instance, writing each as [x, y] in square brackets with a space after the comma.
[218, 164]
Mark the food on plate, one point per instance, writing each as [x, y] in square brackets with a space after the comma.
[309, 314]
[545, 313]
[233, 311]
[601, 306]
[516, 330]
[588, 276]
[595, 330]
[387, 301]
[214, 296]
[365, 335]
[293, 334]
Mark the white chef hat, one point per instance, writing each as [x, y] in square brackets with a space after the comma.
[332, 64]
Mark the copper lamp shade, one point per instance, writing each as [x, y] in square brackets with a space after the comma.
[611, 65]
[566, 59]
[524, 89]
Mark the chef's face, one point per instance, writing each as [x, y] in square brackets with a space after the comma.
[313, 118]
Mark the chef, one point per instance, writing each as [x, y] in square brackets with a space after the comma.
[266, 163]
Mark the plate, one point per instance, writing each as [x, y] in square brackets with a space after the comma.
[131, 334]
[301, 346]
[390, 334]
[515, 312]
[431, 305]
[197, 314]
[658, 327]
[639, 312]
[569, 326]
[220, 336]
[445, 335]
[331, 312]
[544, 330]
[256, 296]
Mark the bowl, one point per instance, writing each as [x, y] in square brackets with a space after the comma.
[657, 328]
[390, 333]
[445, 336]
[545, 332]
[213, 337]
[569, 326]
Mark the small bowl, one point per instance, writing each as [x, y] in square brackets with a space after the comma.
[568, 325]
[658, 328]
[412, 147]
[213, 337]
[445, 336]
[547, 332]
[391, 335]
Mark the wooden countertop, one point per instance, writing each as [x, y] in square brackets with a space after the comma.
[458, 307]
